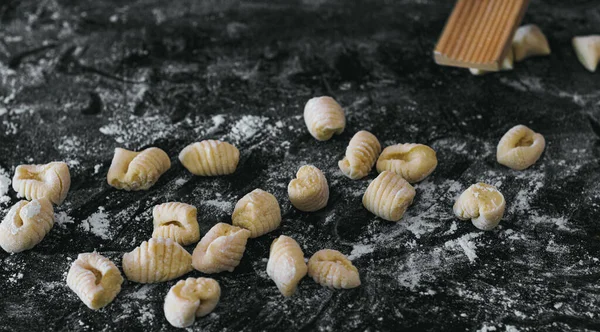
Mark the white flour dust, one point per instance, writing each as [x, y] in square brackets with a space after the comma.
[97, 224]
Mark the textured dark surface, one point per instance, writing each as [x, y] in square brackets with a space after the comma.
[79, 78]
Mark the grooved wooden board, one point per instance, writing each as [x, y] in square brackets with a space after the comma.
[479, 33]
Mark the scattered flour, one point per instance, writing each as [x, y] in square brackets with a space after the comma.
[224, 206]
[31, 210]
[360, 249]
[62, 219]
[97, 168]
[4, 185]
[97, 224]
[247, 127]
[465, 243]
[180, 182]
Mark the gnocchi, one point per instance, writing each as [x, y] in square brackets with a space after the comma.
[210, 158]
[520, 148]
[26, 225]
[388, 196]
[324, 117]
[221, 249]
[309, 191]
[38, 181]
[330, 268]
[361, 155]
[257, 212]
[95, 279]
[481, 203]
[414, 162]
[191, 298]
[529, 41]
[131, 170]
[587, 49]
[176, 221]
[156, 260]
[286, 266]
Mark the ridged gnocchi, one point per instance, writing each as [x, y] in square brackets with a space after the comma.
[324, 117]
[134, 171]
[587, 49]
[221, 249]
[481, 203]
[156, 260]
[520, 148]
[330, 268]
[176, 221]
[309, 191]
[26, 225]
[210, 158]
[388, 196]
[95, 279]
[257, 212]
[529, 41]
[414, 162]
[286, 266]
[191, 298]
[51, 181]
[361, 155]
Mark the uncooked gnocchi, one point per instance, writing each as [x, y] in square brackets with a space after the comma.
[481, 203]
[191, 298]
[361, 155]
[529, 41]
[176, 221]
[520, 148]
[156, 260]
[221, 249]
[38, 181]
[330, 268]
[26, 225]
[309, 191]
[324, 117]
[286, 266]
[131, 170]
[95, 279]
[587, 49]
[388, 196]
[210, 158]
[414, 162]
[257, 212]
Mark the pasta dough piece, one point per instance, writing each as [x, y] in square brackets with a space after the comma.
[191, 298]
[176, 221]
[388, 196]
[529, 41]
[257, 212]
[131, 170]
[520, 148]
[286, 264]
[210, 158]
[95, 279]
[481, 203]
[507, 64]
[414, 162]
[324, 117]
[221, 249]
[38, 181]
[26, 225]
[587, 49]
[309, 191]
[156, 260]
[361, 155]
[330, 268]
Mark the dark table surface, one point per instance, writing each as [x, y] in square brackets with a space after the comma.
[79, 78]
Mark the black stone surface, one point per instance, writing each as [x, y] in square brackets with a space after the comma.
[79, 78]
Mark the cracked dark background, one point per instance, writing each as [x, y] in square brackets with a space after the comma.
[79, 78]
